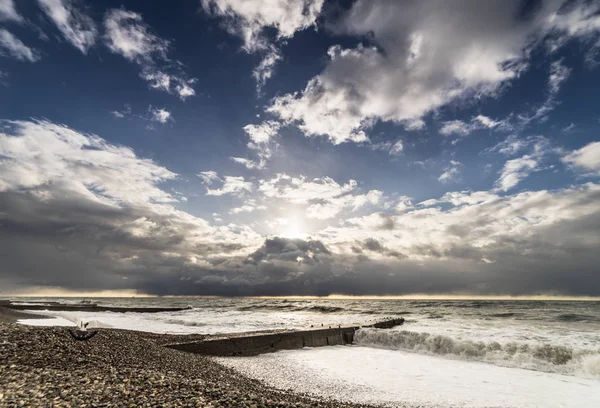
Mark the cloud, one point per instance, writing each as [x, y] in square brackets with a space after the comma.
[261, 137]
[326, 209]
[299, 190]
[249, 206]
[394, 149]
[79, 212]
[479, 221]
[578, 19]
[451, 173]
[409, 66]
[513, 144]
[209, 177]
[236, 186]
[585, 159]
[514, 171]
[159, 115]
[41, 154]
[250, 19]
[265, 69]
[129, 36]
[11, 46]
[324, 197]
[460, 128]
[76, 27]
[126, 111]
[558, 74]
[8, 12]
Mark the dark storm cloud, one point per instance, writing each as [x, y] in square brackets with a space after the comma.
[78, 213]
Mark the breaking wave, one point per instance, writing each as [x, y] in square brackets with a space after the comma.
[573, 317]
[295, 308]
[183, 322]
[539, 357]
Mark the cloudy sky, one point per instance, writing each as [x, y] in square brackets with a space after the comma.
[300, 147]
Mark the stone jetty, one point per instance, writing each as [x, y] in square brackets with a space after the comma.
[259, 343]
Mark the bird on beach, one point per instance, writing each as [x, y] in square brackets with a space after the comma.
[82, 333]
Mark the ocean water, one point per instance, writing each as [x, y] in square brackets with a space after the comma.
[448, 353]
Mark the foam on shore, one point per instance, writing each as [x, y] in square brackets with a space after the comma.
[367, 375]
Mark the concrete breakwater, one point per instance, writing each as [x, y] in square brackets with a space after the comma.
[260, 343]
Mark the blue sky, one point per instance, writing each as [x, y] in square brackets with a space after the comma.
[300, 147]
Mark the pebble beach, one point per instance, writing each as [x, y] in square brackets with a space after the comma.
[45, 367]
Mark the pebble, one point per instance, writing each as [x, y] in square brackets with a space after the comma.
[44, 366]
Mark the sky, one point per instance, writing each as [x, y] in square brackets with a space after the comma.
[300, 147]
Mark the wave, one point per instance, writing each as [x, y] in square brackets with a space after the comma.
[182, 322]
[539, 357]
[294, 308]
[573, 317]
[325, 309]
[508, 314]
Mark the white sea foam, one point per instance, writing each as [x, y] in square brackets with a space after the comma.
[530, 355]
[397, 378]
[205, 321]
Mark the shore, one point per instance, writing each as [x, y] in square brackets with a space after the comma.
[44, 366]
[8, 315]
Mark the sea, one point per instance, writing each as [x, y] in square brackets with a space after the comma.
[449, 353]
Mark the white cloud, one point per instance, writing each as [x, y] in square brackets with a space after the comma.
[126, 111]
[587, 158]
[558, 74]
[580, 20]
[455, 127]
[42, 154]
[209, 177]
[513, 144]
[159, 115]
[266, 68]
[451, 173]
[397, 148]
[250, 164]
[324, 197]
[13, 47]
[394, 149]
[236, 186]
[263, 133]
[403, 204]
[460, 128]
[327, 209]
[478, 224]
[249, 19]
[514, 171]
[8, 12]
[75, 26]
[299, 190]
[261, 137]
[128, 35]
[417, 64]
[249, 206]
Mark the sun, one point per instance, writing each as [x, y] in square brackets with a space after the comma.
[290, 228]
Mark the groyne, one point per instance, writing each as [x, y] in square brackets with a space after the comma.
[260, 343]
